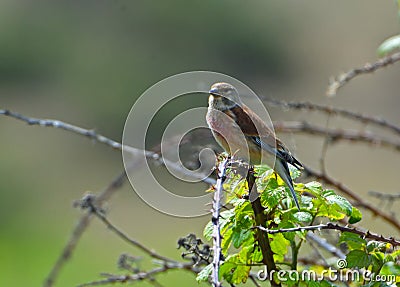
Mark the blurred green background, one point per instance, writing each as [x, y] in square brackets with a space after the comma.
[85, 62]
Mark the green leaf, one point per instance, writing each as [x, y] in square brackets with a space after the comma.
[225, 218]
[240, 274]
[353, 241]
[208, 230]
[239, 236]
[389, 45]
[342, 202]
[358, 258]
[390, 268]
[271, 198]
[234, 271]
[314, 187]
[250, 254]
[294, 172]
[205, 273]
[262, 169]
[374, 246]
[313, 284]
[243, 210]
[377, 259]
[241, 231]
[356, 215]
[226, 240]
[226, 270]
[279, 244]
[302, 216]
[287, 224]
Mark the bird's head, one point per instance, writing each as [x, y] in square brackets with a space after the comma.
[223, 96]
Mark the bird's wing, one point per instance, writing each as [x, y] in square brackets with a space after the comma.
[265, 138]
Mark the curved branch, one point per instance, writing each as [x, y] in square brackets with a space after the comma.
[339, 81]
[336, 111]
[333, 226]
[336, 134]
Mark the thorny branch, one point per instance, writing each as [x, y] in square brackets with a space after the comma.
[329, 225]
[336, 134]
[104, 140]
[88, 202]
[341, 80]
[215, 220]
[329, 110]
[80, 228]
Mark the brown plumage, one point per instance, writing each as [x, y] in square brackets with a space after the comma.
[242, 133]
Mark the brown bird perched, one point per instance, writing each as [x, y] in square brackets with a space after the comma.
[242, 133]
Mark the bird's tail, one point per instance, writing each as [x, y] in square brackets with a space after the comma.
[282, 170]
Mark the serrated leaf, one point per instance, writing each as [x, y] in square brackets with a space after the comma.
[271, 198]
[389, 45]
[355, 216]
[342, 202]
[358, 258]
[302, 216]
[205, 273]
[314, 187]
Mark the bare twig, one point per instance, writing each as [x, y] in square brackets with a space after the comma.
[336, 134]
[329, 225]
[384, 196]
[324, 149]
[368, 119]
[215, 220]
[341, 80]
[64, 126]
[144, 275]
[323, 243]
[105, 140]
[88, 202]
[80, 228]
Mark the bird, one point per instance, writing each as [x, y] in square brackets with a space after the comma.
[243, 134]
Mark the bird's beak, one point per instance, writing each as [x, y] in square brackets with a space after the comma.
[214, 92]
